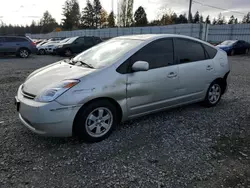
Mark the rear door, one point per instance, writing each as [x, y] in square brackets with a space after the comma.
[11, 44]
[196, 70]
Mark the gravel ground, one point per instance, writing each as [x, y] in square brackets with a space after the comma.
[190, 146]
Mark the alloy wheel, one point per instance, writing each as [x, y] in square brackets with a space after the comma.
[214, 94]
[24, 53]
[99, 122]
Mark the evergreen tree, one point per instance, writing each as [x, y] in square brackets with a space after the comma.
[140, 17]
[196, 17]
[88, 16]
[182, 18]
[111, 20]
[231, 20]
[208, 20]
[97, 13]
[71, 13]
[47, 22]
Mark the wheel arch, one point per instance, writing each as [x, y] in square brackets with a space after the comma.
[112, 101]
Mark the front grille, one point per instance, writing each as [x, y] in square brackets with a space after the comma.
[28, 95]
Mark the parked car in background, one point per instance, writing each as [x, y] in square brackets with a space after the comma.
[48, 47]
[54, 39]
[233, 47]
[76, 45]
[19, 45]
[120, 79]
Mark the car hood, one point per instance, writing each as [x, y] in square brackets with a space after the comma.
[44, 77]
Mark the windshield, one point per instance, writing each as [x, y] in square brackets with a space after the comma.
[72, 39]
[228, 42]
[64, 40]
[106, 53]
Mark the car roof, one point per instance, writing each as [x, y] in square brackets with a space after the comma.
[152, 37]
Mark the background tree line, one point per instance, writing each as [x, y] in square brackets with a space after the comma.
[94, 16]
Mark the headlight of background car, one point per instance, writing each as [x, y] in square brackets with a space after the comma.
[60, 46]
[50, 94]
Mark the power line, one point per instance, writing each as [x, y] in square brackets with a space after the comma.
[211, 6]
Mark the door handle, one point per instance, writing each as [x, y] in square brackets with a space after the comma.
[209, 67]
[172, 75]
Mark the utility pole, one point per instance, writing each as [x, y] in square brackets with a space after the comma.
[190, 11]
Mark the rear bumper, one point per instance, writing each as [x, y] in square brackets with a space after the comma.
[33, 50]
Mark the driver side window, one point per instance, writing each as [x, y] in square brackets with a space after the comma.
[80, 40]
[158, 54]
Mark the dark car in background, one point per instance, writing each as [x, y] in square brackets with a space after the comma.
[76, 45]
[233, 47]
[21, 46]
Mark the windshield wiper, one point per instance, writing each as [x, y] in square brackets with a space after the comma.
[82, 63]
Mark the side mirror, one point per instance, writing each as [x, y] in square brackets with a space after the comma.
[140, 66]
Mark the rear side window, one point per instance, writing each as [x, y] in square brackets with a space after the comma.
[2, 39]
[189, 51]
[158, 54]
[15, 39]
[210, 51]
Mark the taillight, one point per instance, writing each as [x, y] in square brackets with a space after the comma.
[33, 44]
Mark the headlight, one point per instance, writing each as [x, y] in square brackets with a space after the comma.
[60, 46]
[51, 93]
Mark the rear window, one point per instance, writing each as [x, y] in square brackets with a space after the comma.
[210, 51]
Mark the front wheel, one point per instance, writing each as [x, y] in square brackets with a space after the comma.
[232, 53]
[41, 52]
[96, 121]
[68, 52]
[214, 94]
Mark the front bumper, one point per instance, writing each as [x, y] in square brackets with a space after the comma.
[47, 119]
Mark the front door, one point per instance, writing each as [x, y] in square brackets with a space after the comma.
[78, 45]
[196, 70]
[156, 88]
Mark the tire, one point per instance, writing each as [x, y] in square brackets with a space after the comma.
[41, 52]
[96, 121]
[213, 95]
[67, 52]
[23, 53]
[232, 53]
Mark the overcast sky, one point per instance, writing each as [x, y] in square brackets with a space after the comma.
[24, 11]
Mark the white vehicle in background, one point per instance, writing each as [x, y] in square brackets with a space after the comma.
[48, 47]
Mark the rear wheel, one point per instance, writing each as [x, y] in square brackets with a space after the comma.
[23, 53]
[95, 121]
[214, 94]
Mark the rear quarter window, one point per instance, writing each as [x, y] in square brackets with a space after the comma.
[210, 51]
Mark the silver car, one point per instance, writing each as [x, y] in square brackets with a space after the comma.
[120, 79]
